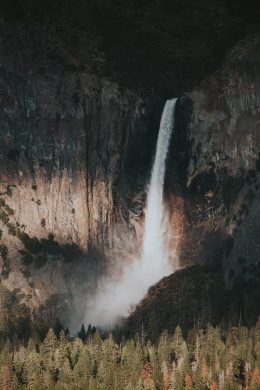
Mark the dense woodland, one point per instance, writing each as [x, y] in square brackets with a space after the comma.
[210, 358]
[137, 356]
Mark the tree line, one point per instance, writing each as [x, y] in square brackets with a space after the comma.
[211, 358]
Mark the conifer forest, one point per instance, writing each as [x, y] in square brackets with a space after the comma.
[210, 358]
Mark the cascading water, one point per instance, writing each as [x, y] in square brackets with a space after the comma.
[154, 254]
[116, 298]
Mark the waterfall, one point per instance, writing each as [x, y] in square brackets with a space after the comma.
[154, 254]
[115, 299]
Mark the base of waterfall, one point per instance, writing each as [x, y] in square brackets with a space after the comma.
[116, 299]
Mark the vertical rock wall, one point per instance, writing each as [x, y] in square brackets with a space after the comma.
[221, 156]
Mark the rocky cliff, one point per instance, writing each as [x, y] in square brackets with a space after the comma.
[73, 151]
[79, 116]
[218, 159]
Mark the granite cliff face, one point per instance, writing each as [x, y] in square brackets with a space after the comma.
[220, 156]
[74, 131]
[73, 156]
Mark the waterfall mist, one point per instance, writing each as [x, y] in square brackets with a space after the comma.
[115, 298]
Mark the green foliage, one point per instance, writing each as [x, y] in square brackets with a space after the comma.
[187, 296]
[37, 251]
[27, 258]
[4, 251]
[198, 295]
[50, 343]
[82, 333]
[14, 316]
[40, 260]
[208, 358]
[22, 235]
[4, 216]
[32, 245]
[6, 268]
[71, 252]
[11, 229]
[9, 210]
[51, 237]
[9, 189]
[42, 249]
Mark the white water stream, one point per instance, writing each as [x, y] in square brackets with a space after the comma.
[154, 254]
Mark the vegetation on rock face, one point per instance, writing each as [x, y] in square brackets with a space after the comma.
[17, 321]
[4, 216]
[9, 210]
[3, 251]
[195, 296]
[206, 359]
[6, 268]
[14, 316]
[6, 212]
[36, 251]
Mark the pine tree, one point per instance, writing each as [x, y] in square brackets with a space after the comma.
[48, 381]
[83, 368]
[58, 327]
[31, 346]
[77, 346]
[96, 347]
[67, 332]
[5, 303]
[18, 363]
[107, 366]
[32, 372]
[64, 346]
[92, 385]
[82, 333]
[35, 382]
[66, 379]
[49, 344]
[164, 350]
[15, 385]
[155, 363]
[89, 331]
[5, 357]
